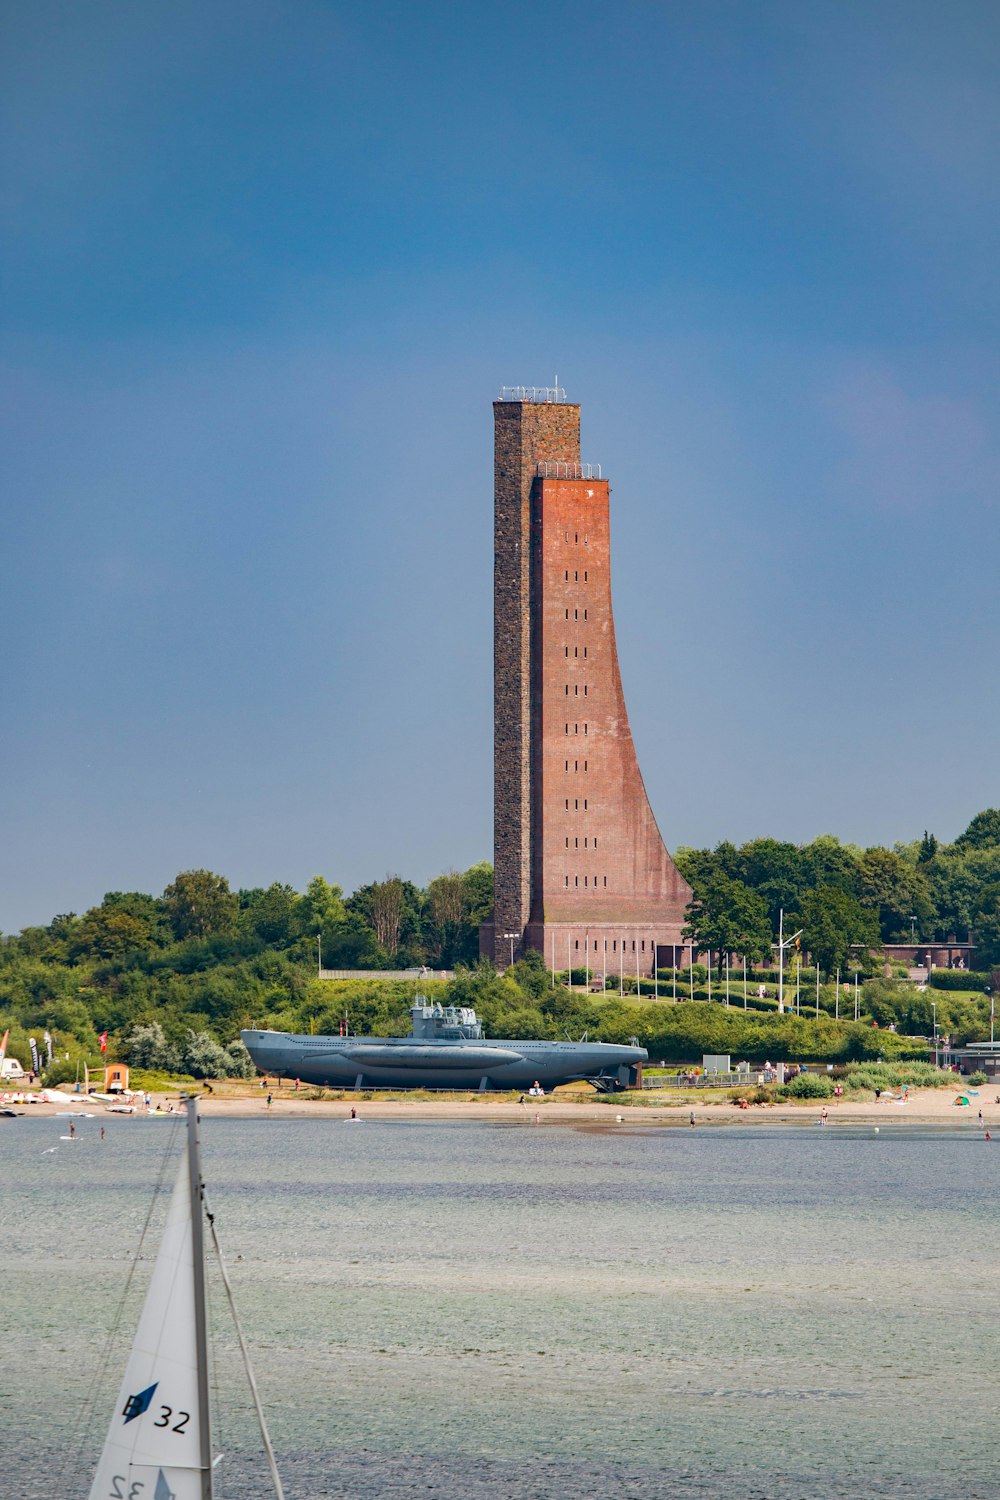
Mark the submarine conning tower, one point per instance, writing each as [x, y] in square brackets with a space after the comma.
[445, 1022]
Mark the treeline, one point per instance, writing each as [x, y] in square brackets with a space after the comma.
[845, 898]
[202, 960]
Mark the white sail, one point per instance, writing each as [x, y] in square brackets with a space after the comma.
[153, 1447]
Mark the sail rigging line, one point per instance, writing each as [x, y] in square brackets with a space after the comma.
[73, 1453]
[251, 1379]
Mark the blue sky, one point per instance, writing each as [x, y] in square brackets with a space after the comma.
[264, 267]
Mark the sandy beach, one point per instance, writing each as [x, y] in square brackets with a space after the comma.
[923, 1107]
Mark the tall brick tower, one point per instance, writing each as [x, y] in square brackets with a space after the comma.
[581, 871]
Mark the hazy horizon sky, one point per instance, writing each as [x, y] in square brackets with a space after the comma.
[265, 267]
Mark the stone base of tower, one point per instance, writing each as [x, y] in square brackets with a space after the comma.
[608, 948]
[602, 947]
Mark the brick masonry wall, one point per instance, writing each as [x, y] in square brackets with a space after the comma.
[526, 433]
[600, 862]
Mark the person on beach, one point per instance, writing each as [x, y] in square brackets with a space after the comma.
[354, 1113]
[102, 1132]
[72, 1130]
[691, 1118]
[269, 1101]
[824, 1114]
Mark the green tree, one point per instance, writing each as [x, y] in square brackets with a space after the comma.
[270, 916]
[199, 903]
[725, 916]
[447, 900]
[895, 891]
[983, 832]
[928, 848]
[834, 922]
[322, 906]
[109, 932]
[776, 870]
[826, 861]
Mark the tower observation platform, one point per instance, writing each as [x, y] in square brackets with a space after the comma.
[582, 873]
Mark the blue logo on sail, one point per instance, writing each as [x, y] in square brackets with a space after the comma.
[163, 1490]
[136, 1405]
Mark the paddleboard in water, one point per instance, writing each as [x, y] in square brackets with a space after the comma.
[69, 1137]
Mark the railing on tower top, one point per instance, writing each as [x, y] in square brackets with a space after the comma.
[567, 471]
[551, 393]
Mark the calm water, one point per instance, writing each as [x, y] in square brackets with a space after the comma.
[504, 1311]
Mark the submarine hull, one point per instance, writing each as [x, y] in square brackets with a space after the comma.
[401, 1063]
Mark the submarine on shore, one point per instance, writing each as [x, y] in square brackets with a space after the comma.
[446, 1049]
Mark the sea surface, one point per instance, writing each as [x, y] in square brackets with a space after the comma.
[497, 1311]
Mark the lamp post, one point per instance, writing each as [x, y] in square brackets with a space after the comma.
[511, 937]
[319, 954]
[781, 945]
[913, 930]
[989, 991]
[934, 1014]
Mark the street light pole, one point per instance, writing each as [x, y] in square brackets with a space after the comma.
[511, 937]
[319, 954]
[781, 945]
[934, 1014]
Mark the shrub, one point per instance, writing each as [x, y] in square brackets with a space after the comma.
[886, 1075]
[147, 1047]
[808, 1086]
[976, 1080]
[958, 979]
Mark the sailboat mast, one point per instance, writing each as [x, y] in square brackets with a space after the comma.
[200, 1317]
